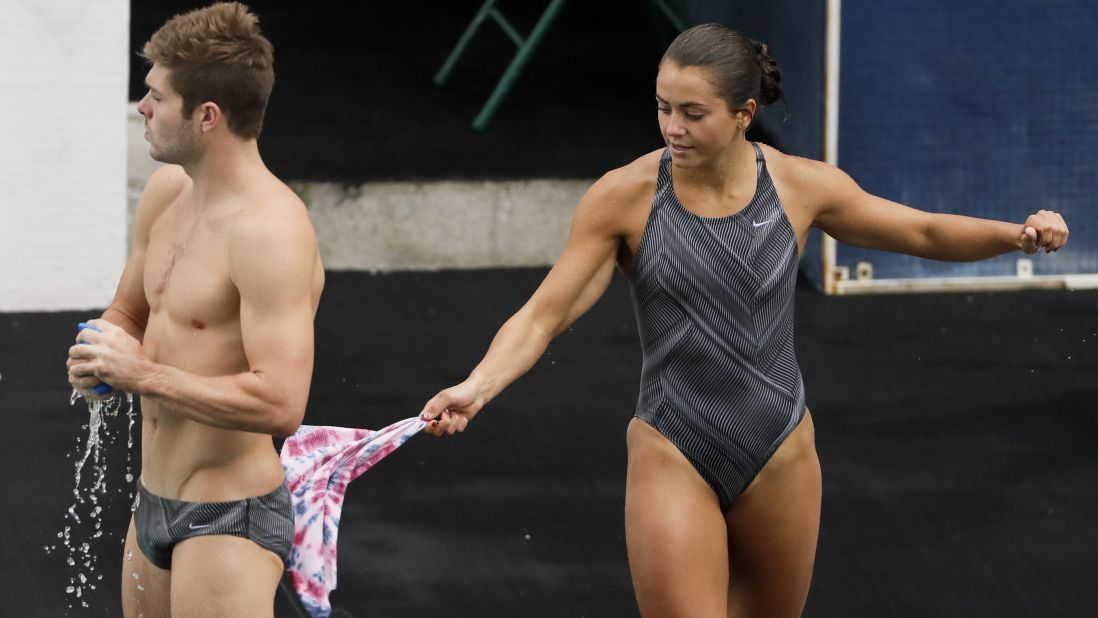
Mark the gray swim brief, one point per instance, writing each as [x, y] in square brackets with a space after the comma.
[162, 522]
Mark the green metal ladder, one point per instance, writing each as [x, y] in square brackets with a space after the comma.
[670, 10]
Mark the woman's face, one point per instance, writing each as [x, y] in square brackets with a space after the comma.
[695, 121]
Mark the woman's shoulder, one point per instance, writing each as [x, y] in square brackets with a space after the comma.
[622, 197]
[781, 162]
[795, 173]
[633, 180]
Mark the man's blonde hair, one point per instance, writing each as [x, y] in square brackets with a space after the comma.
[218, 54]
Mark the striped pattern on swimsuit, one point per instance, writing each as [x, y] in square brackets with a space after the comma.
[162, 523]
[714, 304]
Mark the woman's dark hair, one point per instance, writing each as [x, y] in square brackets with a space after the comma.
[741, 68]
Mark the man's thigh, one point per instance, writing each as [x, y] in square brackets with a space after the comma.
[222, 575]
[146, 589]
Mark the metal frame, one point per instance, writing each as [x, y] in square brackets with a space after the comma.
[836, 279]
[664, 12]
[526, 47]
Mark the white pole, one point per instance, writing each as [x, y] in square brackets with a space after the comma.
[831, 126]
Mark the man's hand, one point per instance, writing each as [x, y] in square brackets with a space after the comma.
[108, 355]
[1044, 229]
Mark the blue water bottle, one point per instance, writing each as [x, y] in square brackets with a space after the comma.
[102, 388]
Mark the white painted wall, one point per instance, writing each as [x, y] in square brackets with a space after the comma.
[63, 87]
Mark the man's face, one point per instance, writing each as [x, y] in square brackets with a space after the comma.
[172, 137]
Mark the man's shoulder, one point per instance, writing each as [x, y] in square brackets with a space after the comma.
[273, 208]
[164, 185]
[275, 217]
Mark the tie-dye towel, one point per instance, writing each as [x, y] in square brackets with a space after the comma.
[320, 462]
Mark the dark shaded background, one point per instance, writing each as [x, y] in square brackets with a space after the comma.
[956, 435]
[354, 101]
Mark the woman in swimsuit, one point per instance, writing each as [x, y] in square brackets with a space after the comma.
[723, 488]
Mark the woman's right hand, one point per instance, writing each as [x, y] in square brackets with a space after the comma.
[451, 410]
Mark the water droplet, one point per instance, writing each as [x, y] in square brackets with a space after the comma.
[88, 460]
[70, 589]
[136, 576]
[140, 588]
[129, 554]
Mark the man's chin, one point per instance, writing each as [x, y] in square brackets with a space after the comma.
[163, 158]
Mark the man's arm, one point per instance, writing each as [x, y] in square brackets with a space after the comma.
[129, 308]
[272, 256]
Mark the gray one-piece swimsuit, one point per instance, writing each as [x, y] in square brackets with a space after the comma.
[714, 303]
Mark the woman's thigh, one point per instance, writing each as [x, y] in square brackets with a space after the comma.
[772, 531]
[675, 531]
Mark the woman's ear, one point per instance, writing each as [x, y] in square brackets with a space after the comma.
[746, 114]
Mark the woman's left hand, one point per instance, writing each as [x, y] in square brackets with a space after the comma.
[1044, 229]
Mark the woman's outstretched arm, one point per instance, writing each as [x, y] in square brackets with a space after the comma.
[576, 281]
[853, 216]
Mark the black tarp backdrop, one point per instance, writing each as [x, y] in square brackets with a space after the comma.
[354, 99]
[955, 432]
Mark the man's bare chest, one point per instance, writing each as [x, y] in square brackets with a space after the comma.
[186, 274]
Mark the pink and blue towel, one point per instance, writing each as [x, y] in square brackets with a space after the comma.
[320, 462]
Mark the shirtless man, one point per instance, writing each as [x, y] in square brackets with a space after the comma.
[212, 325]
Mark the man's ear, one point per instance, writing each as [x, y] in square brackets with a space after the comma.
[208, 116]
